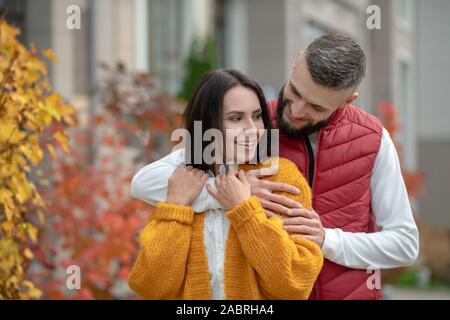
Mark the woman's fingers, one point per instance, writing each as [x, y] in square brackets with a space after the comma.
[204, 178]
[211, 191]
[242, 176]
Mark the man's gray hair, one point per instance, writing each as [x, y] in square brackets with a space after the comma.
[336, 61]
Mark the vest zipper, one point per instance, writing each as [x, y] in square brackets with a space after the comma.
[311, 180]
[310, 162]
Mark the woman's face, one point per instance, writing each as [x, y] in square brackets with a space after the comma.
[242, 123]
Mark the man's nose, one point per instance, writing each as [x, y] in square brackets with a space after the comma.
[298, 109]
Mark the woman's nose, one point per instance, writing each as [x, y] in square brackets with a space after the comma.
[250, 125]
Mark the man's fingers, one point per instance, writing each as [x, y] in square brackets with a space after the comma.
[299, 221]
[285, 201]
[273, 206]
[301, 229]
[302, 212]
[258, 173]
[280, 187]
[271, 214]
[305, 236]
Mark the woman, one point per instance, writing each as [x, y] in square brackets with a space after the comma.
[188, 252]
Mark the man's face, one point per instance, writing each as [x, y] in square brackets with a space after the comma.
[304, 106]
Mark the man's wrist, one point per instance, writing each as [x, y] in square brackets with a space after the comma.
[331, 243]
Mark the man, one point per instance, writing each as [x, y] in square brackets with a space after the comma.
[361, 216]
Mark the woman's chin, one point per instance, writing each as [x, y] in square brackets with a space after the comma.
[246, 157]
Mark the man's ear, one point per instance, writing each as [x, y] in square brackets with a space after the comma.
[351, 99]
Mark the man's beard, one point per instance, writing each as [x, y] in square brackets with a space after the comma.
[290, 130]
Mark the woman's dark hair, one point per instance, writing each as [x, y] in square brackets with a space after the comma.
[206, 105]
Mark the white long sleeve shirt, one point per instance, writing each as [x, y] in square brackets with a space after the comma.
[395, 245]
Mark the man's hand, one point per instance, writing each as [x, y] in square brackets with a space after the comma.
[273, 204]
[305, 223]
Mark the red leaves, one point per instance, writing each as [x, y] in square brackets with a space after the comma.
[389, 118]
[93, 218]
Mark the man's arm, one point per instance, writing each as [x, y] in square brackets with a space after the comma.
[150, 183]
[397, 242]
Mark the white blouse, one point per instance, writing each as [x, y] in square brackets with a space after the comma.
[215, 235]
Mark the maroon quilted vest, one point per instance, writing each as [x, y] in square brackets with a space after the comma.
[339, 176]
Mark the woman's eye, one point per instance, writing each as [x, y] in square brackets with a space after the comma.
[258, 116]
[235, 119]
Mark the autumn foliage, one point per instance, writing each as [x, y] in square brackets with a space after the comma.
[32, 121]
[94, 221]
[64, 185]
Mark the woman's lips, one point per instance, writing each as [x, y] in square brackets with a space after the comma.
[249, 144]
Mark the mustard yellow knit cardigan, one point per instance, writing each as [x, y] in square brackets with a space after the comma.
[262, 261]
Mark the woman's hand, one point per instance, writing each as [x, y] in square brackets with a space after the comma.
[185, 185]
[232, 189]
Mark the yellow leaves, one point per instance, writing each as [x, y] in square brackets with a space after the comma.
[28, 108]
[51, 150]
[63, 140]
[7, 227]
[32, 232]
[28, 254]
[6, 198]
[32, 151]
[31, 292]
[51, 55]
[9, 132]
[8, 33]
[52, 104]
[20, 187]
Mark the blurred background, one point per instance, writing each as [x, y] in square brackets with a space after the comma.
[127, 72]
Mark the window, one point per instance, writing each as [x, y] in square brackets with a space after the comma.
[165, 45]
[404, 12]
[403, 94]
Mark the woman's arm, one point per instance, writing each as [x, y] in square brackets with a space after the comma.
[287, 266]
[150, 183]
[159, 270]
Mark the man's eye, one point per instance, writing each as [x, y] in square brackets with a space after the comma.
[317, 108]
